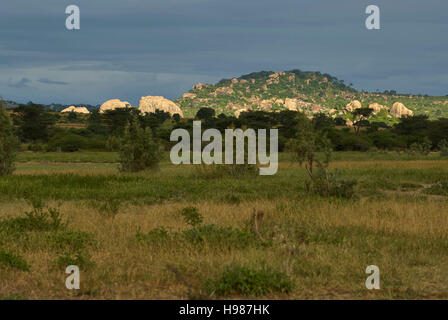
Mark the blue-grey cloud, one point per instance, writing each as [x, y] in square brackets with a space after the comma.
[48, 81]
[127, 49]
[22, 83]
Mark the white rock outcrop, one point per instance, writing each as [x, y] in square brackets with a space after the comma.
[76, 110]
[150, 104]
[399, 110]
[114, 104]
[377, 107]
[353, 105]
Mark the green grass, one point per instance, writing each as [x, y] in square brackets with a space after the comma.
[123, 230]
[73, 157]
[182, 183]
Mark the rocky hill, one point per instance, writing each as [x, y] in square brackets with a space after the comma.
[310, 92]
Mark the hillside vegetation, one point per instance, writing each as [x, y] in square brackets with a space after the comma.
[311, 92]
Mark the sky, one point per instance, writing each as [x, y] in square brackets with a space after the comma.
[134, 48]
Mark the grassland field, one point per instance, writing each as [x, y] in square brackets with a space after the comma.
[131, 241]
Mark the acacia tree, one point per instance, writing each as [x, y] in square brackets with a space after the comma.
[360, 117]
[313, 150]
[310, 147]
[8, 142]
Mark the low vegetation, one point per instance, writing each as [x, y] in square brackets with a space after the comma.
[171, 234]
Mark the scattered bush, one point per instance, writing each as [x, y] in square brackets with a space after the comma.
[422, 148]
[223, 237]
[11, 260]
[238, 280]
[74, 240]
[82, 260]
[38, 219]
[155, 236]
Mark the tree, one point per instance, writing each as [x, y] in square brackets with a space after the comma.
[72, 116]
[322, 122]
[8, 142]
[139, 150]
[360, 118]
[116, 120]
[310, 147]
[205, 113]
[33, 122]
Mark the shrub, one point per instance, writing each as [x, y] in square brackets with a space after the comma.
[191, 216]
[440, 188]
[67, 142]
[82, 260]
[15, 296]
[330, 184]
[155, 236]
[113, 143]
[110, 208]
[38, 219]
[210, 235]
[422, 148]
[36, 147]
[8, 143]
[74, 240]
[139, 151]
[11, 260]
[443, 147]
[214, 235]
[238, 280]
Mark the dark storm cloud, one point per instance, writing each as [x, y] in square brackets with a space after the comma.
[127, 49]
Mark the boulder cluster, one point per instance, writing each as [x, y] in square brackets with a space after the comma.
[398, 109]
[148, 104]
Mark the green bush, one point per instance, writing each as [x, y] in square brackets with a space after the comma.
[139, 151]
[74, 240]
[67, 142]
[224, 237]
[113, 143]
[82, 260]
[110, 208]
[156, 236]
[11, 260]
[330, 184]
[440, 188]
[422, 148]
[8, 143]
[191, 216]
[238, 280]
[15, 296]
[443, 147]
[38, 219]
[37, 147]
